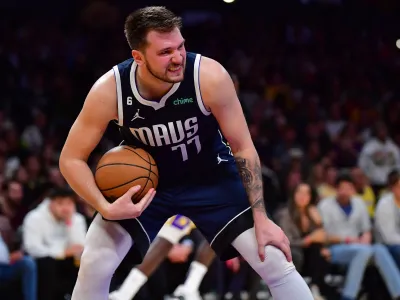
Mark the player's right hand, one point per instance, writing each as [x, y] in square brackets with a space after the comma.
[123, 208]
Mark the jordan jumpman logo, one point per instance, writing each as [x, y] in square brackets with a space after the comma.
[136, 116]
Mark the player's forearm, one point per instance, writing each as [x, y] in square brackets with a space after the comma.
[79, 176]
[249, 167]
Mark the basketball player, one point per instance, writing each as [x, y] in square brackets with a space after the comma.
[183, 109]
[170, 234]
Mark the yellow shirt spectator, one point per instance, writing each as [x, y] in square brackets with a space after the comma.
[369, 198]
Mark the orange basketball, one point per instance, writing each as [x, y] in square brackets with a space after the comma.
[124, 167]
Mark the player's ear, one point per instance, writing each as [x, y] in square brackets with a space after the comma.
[138, 57]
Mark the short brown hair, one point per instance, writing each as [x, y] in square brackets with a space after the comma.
[141, 21]
[393, 178]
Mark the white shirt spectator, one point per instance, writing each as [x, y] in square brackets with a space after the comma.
[45, 236]
[337, 223]
[32, 138]
[378, 158]
[387, 221]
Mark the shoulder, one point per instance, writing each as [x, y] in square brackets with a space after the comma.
[212, 72]
[384, 202]
[282, 213]
[102, 98]
[392, 144]
[370, 145]
[33, 216]
[326, 203]
[216, 84]
[79, 218]
[357, 200]
[314, 214]
[369, 192]
[106, 84]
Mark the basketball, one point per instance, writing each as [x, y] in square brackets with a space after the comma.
[124, 167]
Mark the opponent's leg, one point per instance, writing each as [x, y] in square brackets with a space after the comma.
[106, 245]
[171, 233]
[197, 270]
[199, 267]
[281, 276]
[139, 275]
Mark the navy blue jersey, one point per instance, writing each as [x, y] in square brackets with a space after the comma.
[177, 130]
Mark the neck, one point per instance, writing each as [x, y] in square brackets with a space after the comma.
[149, 86]
[55, 216]
[343, 201]
[302, 209]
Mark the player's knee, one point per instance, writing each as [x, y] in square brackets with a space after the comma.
[172, 234]
[275, 266]
[98, 262]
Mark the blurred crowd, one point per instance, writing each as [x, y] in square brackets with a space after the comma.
[320, 93]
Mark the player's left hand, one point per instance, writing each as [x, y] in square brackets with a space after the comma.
[268, 233]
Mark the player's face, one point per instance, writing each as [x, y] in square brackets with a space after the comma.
[165, 55]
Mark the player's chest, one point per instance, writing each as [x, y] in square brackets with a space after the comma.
[165, 126]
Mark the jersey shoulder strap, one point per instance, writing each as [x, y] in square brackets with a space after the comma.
[122, 74]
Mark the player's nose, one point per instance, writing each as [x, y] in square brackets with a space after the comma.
[177, 58]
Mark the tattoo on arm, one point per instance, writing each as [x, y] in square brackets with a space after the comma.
[250, 172]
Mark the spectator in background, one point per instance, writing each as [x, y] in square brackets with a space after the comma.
[13, 263]
[346, 148]
[378, 157]
[327, 187]
[302, 224]
[316, 176]
[16, 266]
[54, 233]
[348, 227]
[32, 136]
[55, 177]
[238, 277]
[36, 183]
[12, 204]
[335, 122]
[387, 190]
[364, 190]
[387, 218]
